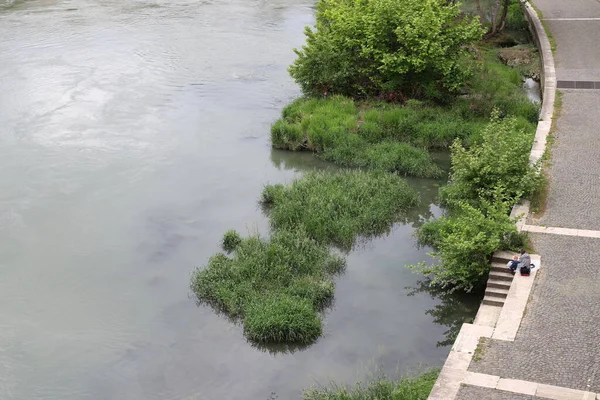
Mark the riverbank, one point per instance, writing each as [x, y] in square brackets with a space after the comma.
[566, 235]
[382, 136]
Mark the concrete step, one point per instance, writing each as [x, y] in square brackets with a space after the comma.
[495, 283]
[496, 292]
[503, 256]
[497, 266]
[493, 301]
[501, 276]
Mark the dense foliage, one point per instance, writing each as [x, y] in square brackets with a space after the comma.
[485, 182]
[500, 161]
[380, 388]
[405, 48]
[465, 241]
[337, 208]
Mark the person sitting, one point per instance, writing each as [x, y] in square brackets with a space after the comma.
[513, 264]
[525, 263]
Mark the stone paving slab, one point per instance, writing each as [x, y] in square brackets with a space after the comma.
[558, 342]
[578, 57]
[575, 8]
[480, 393]
[574, 191]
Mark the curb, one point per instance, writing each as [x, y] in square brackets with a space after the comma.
[489, 322]
[548, 86]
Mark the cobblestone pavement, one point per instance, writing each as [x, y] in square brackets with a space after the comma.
[479, 393]
[558, 342]
[574, 196]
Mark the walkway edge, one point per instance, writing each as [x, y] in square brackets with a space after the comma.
[548, 86]
[454, 371]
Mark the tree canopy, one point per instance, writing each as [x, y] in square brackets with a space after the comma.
[388, 48]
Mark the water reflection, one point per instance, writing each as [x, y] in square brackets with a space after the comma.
[453, 309]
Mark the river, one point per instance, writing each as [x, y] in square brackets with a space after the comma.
[133, 134]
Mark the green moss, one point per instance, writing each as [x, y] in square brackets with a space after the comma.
[337, 208]
[380, 388]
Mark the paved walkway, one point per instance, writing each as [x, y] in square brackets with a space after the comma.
[558, 342]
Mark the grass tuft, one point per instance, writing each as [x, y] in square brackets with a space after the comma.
[380, 388]
[337, 208]
[282, 318]
[231, 240]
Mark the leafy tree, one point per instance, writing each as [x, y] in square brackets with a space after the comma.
[390, 48]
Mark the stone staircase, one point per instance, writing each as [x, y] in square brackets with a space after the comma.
[499, 280]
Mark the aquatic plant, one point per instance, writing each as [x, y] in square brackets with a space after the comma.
[338, 208]
[275, 287]
[378, 388]
[283, 318]
[231, 239]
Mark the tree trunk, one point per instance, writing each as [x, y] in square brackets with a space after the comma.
[504, 15]
[480, 11]
[495, 18]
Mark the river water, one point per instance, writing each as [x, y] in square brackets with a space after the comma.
[133, 134]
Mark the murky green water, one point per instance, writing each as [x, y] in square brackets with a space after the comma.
[132, 135]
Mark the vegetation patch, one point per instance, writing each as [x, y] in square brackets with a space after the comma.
[282, 318]
[498, 162]
[395, 137]
[464, 242]
[379, 388]
[485, 182]
[337, 208]
[275, 287]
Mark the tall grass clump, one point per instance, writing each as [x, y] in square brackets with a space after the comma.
[389, 156]
[380, 388]
[337, 208]
[275, 287]
[315, 124]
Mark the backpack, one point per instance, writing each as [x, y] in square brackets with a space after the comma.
[525, 271]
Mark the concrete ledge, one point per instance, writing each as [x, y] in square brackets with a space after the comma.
[561, 231]
[539, 390]
[482, 380]
[468, 337]
[515, 303]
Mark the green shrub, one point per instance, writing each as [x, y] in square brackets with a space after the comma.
[289, 264]
[380, 388]
[464, 242]
[231, 239]
[499, 161]
[282, 319]
[373, 47]
[337, 208]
